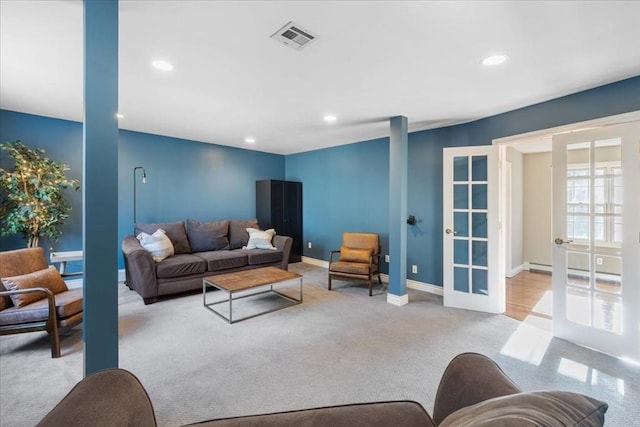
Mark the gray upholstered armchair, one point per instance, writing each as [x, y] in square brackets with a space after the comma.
[33, 297]
[359, 259]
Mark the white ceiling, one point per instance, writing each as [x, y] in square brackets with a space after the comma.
[372, 60]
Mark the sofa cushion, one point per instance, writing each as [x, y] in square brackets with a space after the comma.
[263, 256]
[174, 230]
[207, 236]
[224, 259]
[180, 265]
[561, 408]
[260, 239]
[68, 303]
[397, 414]
[238, 236]
[48, 278]
[157, 244]
[355, 254]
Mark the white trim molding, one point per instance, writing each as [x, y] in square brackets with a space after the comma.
[315, 261]
[121, 276]
[424, 287]
[519, 269]
[398, 300]
[74, 283]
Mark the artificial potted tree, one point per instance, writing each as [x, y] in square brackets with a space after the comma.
[32, 194]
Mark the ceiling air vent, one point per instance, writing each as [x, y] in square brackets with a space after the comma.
[293, 35]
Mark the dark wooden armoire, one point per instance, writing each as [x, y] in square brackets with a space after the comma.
[279, 206]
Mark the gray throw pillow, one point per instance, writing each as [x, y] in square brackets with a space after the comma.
[207, 236]
[238, 236]
[175, 232]
[540, 408]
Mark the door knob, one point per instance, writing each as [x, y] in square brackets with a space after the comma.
[560, 241]
[449, 231]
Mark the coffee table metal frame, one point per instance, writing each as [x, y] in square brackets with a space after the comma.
[210, 281]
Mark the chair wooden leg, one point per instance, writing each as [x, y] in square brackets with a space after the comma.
[329, 287]
[55, 342]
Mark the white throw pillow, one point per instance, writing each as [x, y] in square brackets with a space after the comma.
[158, 244]
[259, 239]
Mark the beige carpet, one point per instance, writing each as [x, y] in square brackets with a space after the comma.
[336, 347]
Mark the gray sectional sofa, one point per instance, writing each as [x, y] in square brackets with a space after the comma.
[201, 250]
[473, 391]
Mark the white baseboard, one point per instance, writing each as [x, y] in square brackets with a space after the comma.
[424, 287]
[540, 267]
[398, 300]
[121, 276]
[517, 270]
[412, 284]
[315, 261]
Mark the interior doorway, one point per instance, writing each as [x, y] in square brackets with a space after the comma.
[529, 262]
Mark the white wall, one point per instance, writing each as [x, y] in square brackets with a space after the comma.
[515, 158]
[537, 239]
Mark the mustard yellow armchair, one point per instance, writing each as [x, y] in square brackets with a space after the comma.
[34, 297]
[359, 259]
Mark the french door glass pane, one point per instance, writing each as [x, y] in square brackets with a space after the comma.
[461, 168]
[479, 168]
[480, 282]
[461, 279]
[461, 224]
[460, 196]
[579, 306]
[479, 196]
[479, 224]
[461, 252]
[578, 269]
[479, 253]
[608, 313]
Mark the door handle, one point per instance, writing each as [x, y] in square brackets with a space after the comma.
[560, 241]
[450, 231]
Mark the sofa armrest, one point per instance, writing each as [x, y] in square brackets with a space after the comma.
[470, 378]
[112, 397]
[140, 269]
[283, 243]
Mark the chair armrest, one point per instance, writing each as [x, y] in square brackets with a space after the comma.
[331, 253]
[111, 397]
[470, 378]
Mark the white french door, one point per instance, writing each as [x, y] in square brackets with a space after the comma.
[596, 230]
[472, 279]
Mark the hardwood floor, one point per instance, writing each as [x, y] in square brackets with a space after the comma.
[529, 293]
[525, 292]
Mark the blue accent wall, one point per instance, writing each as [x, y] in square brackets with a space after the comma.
[62, 141]
[332, 202]
[186, 179]
[344, 187]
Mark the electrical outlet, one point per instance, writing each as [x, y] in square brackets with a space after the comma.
[414, 269]
[599, 260]
[386, 258]
[309, 245]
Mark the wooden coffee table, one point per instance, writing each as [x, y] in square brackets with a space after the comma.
[263, 279]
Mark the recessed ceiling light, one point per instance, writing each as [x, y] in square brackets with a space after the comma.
[159, 64]
[119, 116]
[250, 140]
[494, 60]
[330, 119]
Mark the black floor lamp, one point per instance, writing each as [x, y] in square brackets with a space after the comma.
[144, 181]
